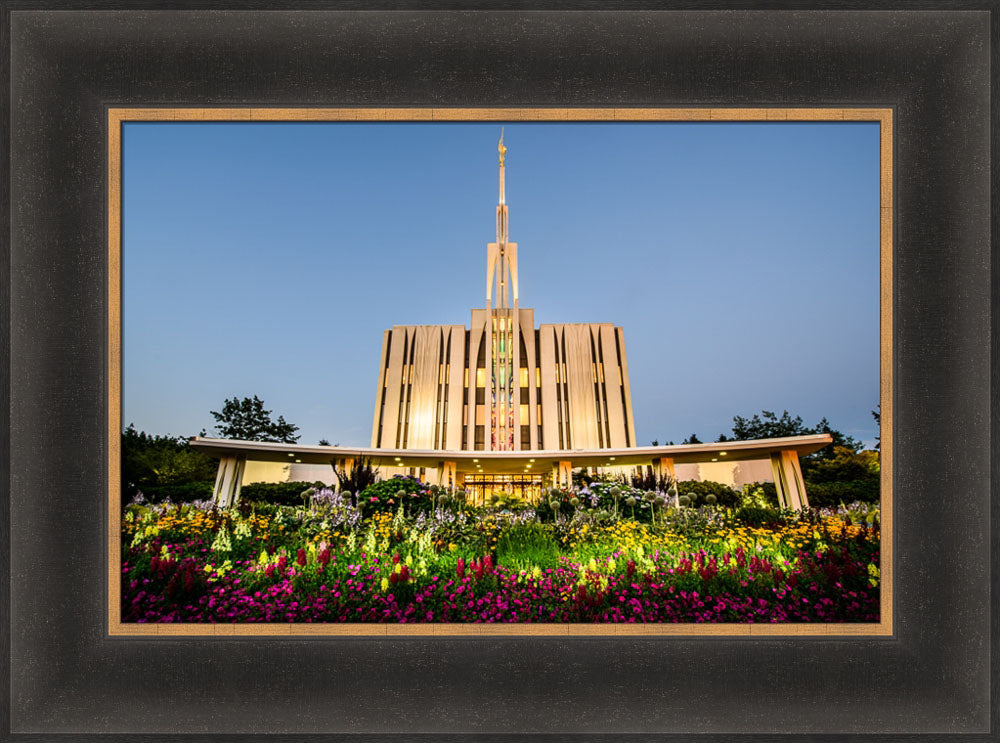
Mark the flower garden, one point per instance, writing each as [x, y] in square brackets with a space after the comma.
[402, 552]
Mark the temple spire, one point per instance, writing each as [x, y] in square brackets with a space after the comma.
[502, 332]
[503, 154]
[502, 206]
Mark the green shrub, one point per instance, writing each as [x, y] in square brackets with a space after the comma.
[507, 502]
[182, 493]
[149, 462]
[278, 493]
[385, 496]
[697, 490]
[756, 516]
[260, 507]
[822, 494]
[528, 545]
[759, 494]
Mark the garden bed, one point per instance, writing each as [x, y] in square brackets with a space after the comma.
[584, 556]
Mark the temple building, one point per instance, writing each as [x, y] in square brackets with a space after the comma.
[503, 405]
[503, 384]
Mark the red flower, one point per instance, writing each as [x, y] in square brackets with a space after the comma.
[460, 568]
[300, 556]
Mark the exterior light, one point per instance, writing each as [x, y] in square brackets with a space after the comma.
[611, 458]
[290, 454]
[715, 460]
[475, 460]
[298, 460]
[722, 453]
[531, 460]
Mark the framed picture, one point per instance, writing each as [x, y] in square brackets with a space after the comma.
[76, 74]
[465, 512]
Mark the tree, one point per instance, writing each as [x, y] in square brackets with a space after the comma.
[151, 462]
[839, 439]
[877, 415]
[324, 442]
[692, 439]
[845, 465]
[247, 420]
[767, 425]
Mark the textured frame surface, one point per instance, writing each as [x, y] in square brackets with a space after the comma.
[67, 675]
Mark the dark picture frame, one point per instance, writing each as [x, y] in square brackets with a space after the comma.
[69, 64]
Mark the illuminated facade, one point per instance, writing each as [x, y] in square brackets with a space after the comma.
[536, 402]
[502, 384]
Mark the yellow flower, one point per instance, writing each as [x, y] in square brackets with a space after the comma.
[873, 574]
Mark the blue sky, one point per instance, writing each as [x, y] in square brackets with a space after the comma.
[741, 259]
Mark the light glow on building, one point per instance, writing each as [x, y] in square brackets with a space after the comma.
[535, 388]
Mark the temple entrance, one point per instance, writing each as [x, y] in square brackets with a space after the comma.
[480, 488]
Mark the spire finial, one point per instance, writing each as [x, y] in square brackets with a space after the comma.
[501, 148]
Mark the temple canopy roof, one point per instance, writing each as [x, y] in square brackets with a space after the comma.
[515, 461]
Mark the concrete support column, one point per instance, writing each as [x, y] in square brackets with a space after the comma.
[663, 467]
[564, 474]
[788, 480]
[447, 474]
[229, 481]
